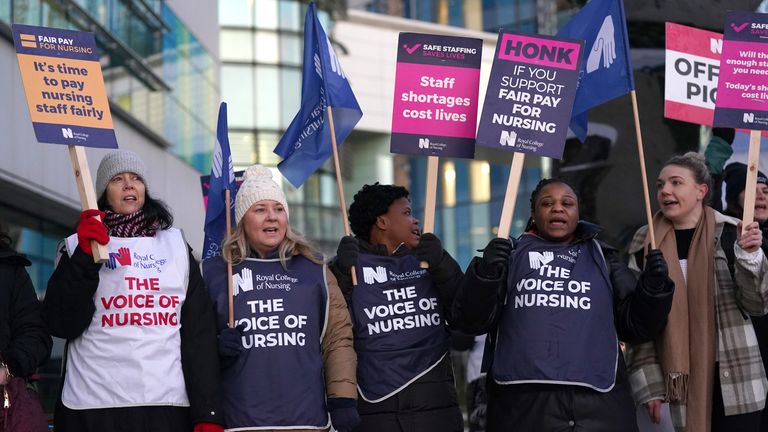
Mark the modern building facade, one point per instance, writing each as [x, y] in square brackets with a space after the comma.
[261, 48]
[161, 68]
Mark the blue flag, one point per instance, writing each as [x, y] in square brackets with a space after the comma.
[606, 68]
[222, 178]
[306, 144]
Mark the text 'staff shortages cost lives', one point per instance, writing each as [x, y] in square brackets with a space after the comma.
[530, 94]
[64, 86]
[436, 95]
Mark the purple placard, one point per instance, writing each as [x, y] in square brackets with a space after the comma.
[742, 88]
[436, 95]
[205, 185]
[530, 94]
[64, 86]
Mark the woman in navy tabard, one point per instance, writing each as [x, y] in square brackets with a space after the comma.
[555, 309]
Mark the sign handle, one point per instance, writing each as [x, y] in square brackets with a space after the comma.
[87, 195]
[430, 198]
[751, 186]
[644, 175]
[342, 201]
[510, 197]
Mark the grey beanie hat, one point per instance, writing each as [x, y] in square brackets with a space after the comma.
[117, 162]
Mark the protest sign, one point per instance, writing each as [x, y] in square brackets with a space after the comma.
[691, 73]
[436, 95]
[528, 103]
[530, 94]
[205, 185]
[65, 91]
[742, 91]
[66, 98]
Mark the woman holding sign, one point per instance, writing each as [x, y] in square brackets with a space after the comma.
[289, 361]
[707, 362]
[399, 312]
[140, 329]
[555, 309]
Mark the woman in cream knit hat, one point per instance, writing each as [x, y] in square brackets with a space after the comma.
[289, 363]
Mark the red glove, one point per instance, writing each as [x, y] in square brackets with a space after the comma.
[91, 229]
[208, 427]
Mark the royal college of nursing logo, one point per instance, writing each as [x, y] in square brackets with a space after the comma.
[371, 275]
[122, 258]
[539, 259]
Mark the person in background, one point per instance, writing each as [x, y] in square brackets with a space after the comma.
[24, 340]
[555, 308]
[288, 363]
[140, 328]
[400, 314]
[707, 363]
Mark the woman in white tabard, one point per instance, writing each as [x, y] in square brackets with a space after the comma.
[288, 364]
[140, 328]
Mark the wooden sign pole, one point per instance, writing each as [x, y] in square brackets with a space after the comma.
[430, 198]
[751, 186]
[87, 194]
[510, 197]
[340, 184]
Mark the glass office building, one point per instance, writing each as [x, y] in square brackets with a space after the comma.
[261, 49]
[162, 83]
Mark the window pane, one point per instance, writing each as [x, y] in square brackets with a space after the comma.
[449, 184]
[266, 14]
[236, 12]
[267, 97]
[237, 91]
[290, 89]
[290, 15]
[480, 181]
[236, 45]
[266, 47]
[243, 146]
[291, 49]
[266, 146]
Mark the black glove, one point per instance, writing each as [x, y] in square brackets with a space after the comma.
[656, 272]
[727, 134]
[346, 254]
[495, 258]
[230, 344]
[344, 416]
[429, 249]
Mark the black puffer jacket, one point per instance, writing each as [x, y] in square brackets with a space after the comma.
[69, 305]
[429, 403]
[640, 313]
[24, 340]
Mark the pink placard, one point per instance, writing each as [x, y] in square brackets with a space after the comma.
[437, 100]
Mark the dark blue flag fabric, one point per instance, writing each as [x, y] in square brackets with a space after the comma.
[222, 178]
[606, 67]
[306, 144]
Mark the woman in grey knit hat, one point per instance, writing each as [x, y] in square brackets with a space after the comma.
[140, 328]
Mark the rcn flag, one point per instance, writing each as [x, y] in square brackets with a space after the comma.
[306, 144]
[606, 69]
[222, 178]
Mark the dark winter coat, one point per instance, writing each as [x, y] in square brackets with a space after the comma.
[640, 313]
[429, 403]
[69, 305]
[24, 341]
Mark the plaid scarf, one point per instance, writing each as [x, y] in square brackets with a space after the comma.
[130, 225]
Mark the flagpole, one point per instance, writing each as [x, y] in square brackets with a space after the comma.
[641, 153]
[230, 295]
[342, 201]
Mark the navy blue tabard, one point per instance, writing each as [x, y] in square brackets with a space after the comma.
[277, 382]
[400, 332]
[557, 322]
